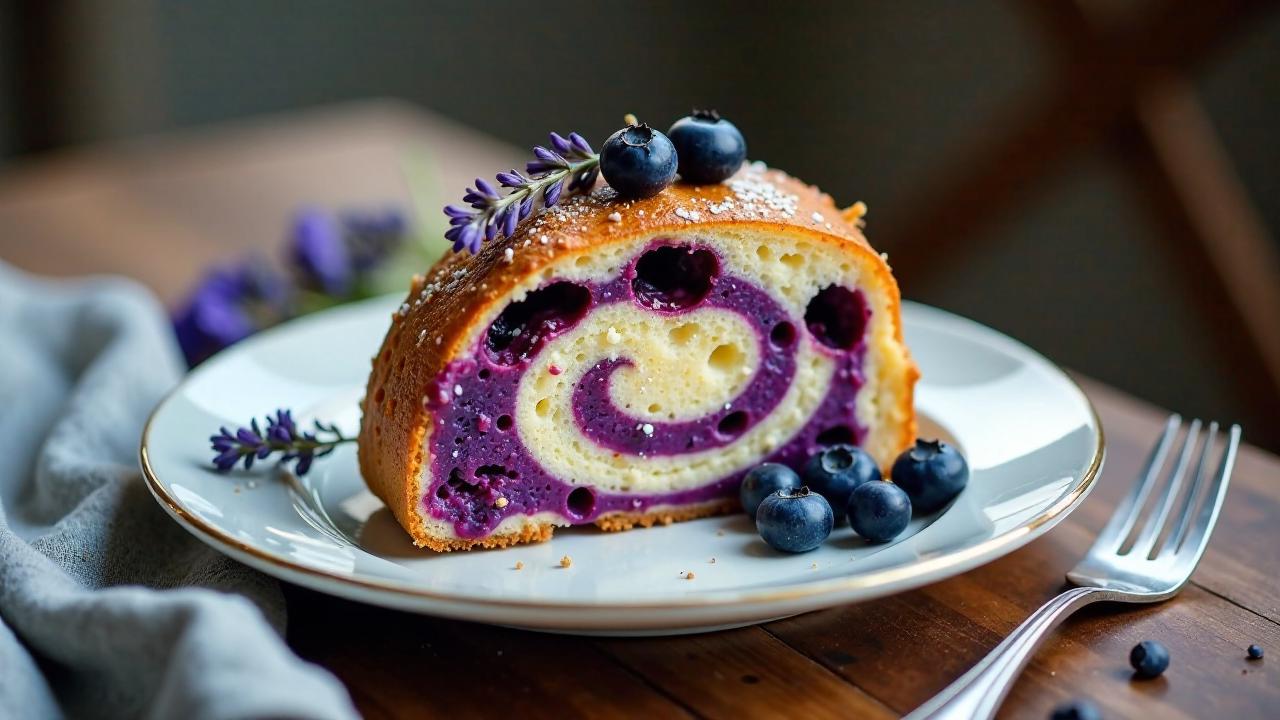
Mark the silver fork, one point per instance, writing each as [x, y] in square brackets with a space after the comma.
[1152, 568]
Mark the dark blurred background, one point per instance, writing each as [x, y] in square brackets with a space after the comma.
[1099, 179]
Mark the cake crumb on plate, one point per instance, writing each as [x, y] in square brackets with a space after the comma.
[566, 561]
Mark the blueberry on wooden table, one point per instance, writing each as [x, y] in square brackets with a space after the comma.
[1149, 659]
[763, 481]
[1076, 710]
[1255, 652]
[794, 520]
[834, 472]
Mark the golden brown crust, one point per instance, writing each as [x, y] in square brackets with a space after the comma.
[618, 522]
[529, 533]
[460, 290]
[615, 522]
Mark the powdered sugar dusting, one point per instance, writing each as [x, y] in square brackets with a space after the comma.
[758, 197]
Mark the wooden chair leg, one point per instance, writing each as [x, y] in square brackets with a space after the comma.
[1214, 234]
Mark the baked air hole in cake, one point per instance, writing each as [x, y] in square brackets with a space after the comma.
[782, 335]
[837, 435]
[837, 317]
[525, 325]
[732, 425]
[581, 502]
[674, 277]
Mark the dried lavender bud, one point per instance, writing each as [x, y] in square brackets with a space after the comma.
[569, 165]
[282, 436]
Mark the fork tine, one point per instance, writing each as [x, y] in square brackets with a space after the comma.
[1198, 536]
[1126, 513]
[1185, 512]
[1155, 523]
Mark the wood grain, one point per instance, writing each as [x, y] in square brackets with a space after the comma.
[161, 209]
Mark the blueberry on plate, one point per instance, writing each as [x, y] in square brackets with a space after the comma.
[638, 161]
[879, 511]
[834, 472]
[1255, 652]
[1076, 710]
[763, 481]
[932, 473]
[795, 520]
[1149, 659]
[710, 148]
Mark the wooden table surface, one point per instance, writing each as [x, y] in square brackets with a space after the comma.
[160, 209]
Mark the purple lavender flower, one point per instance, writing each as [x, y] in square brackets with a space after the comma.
[319, 254]
[282, 436]
[329, 253]
[229, 304]
[569, 166]
[372, 237]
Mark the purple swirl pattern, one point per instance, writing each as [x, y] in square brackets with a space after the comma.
[477, 457]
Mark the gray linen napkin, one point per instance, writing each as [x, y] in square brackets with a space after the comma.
[100, 615]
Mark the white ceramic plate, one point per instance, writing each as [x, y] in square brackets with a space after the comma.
[1032, 439]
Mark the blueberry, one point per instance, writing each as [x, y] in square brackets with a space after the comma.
[1149, 658]
[638, 161]
[879, 511]
[763, 481]
[834, 472]
[1255, 652]
[932, 473]
[794, 520]
[1077, 710]
[710, 148]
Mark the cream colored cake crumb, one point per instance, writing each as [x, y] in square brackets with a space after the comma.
[613, 336]
[688, 576]
[566, 561]
[519, 565]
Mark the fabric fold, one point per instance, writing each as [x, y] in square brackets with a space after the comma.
[107, 607]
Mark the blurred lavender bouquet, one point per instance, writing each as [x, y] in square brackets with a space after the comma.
[329, 259]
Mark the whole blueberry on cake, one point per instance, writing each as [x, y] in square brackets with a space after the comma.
[624, 356]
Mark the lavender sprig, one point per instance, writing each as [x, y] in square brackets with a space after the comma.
[570, 165]
[282, 435]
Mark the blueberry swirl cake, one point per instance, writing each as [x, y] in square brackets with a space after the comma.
[625, 362]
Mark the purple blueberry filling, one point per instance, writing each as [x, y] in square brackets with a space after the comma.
[477, 457]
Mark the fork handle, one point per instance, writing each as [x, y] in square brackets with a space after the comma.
[978, 693]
